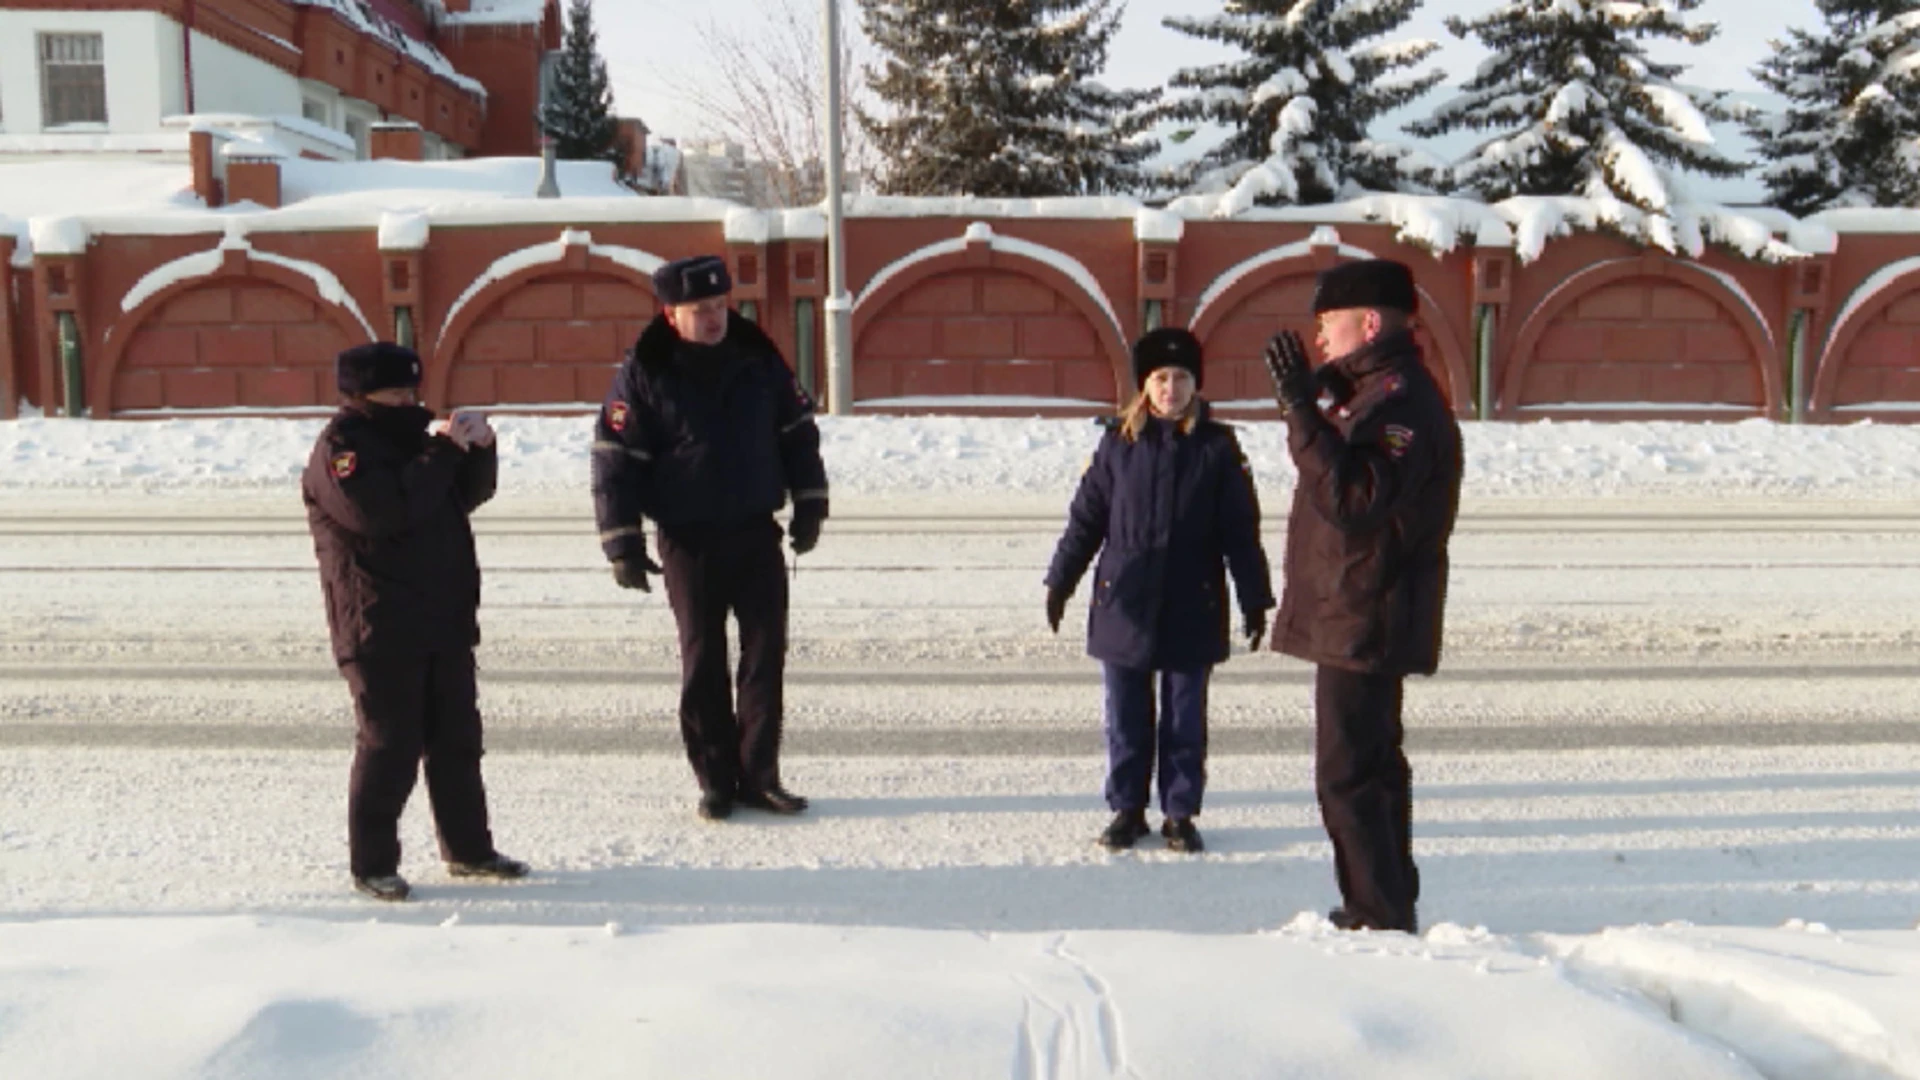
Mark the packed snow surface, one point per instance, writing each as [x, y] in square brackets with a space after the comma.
[1665, 786]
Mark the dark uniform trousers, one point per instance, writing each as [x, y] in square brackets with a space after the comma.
[1366, 794]
[409, 707]
[1179, 736]
[712, 571]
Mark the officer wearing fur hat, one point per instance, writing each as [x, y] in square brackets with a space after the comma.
[1168, 505]
[708, 433]
[1378, 455]
[387, 500]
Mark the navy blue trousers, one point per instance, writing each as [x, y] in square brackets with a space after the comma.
[1181, 735]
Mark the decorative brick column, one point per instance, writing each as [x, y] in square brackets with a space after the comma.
[747, 262]
[1492, 296]
[1809, 305]
[57, 297]
[402, 240]
[807, 289]
[1157, 268]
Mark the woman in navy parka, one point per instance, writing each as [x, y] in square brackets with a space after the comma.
[1168, 504]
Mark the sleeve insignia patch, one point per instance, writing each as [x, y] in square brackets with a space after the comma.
[617, 416]
[344, 464]
[1398, 440]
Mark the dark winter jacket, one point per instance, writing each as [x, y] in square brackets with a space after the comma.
[387, 505]
[1165, 514]
[693, 436]
[1379, 488]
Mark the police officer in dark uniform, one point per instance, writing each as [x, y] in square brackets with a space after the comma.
[1379, 461]
[387, 502]
[707, 432]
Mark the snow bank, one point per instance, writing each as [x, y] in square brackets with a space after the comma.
[908, 456]
[287, 997]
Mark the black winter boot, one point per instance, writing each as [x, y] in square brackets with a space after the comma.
[1127, 827]
[774, 800]
[716, 805]
[1181, 835]
[389, 887]
[495, 866]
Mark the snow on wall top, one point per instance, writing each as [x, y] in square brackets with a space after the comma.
[207, 263]
[641, 262]
[980, 232]
[1324, 236]
[880, 206]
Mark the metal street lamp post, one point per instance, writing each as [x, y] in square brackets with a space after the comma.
[839, 304]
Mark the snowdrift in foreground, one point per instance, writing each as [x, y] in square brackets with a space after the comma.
[936, 456]
[236, 996]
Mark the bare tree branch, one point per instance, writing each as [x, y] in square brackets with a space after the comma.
[764, 87]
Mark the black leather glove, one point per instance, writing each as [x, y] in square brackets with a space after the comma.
[1292, 372]
[632, 573]
[1056, 607]
[1254, 627]
[804, 530]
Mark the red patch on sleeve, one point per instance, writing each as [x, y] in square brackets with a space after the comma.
[344, 463]
[1398, 439]
[617, 416]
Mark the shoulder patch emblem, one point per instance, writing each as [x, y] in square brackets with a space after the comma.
[1392, 384]
[344, 463]
[1397, 439]
[617, 416]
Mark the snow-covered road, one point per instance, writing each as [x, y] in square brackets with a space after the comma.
[1678, 687]
[1650, 710]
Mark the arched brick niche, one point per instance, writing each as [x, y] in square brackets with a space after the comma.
[1871, 362]
[1642, 336]
[249, 335]
[550, 334]
[1234, 323]
[977, 321]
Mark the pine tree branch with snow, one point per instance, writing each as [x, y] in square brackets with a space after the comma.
[1300, 103]
[1001, 99]
[1850, 134]
[1574, 106]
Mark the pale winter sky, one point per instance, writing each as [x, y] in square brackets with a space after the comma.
[653, 45]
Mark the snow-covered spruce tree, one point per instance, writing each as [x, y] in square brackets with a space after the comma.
[999, 98]
[1300, 102]
[1576, 108]
[1850, 135]
[579, 116]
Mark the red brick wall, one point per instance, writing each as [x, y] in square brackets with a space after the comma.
[555, 340]
[506, 60]
[1882, 362]
[228, 344]
[970, 332]
[1646, 340]
[1593, 321]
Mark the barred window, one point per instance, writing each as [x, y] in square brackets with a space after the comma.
[73, 79]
